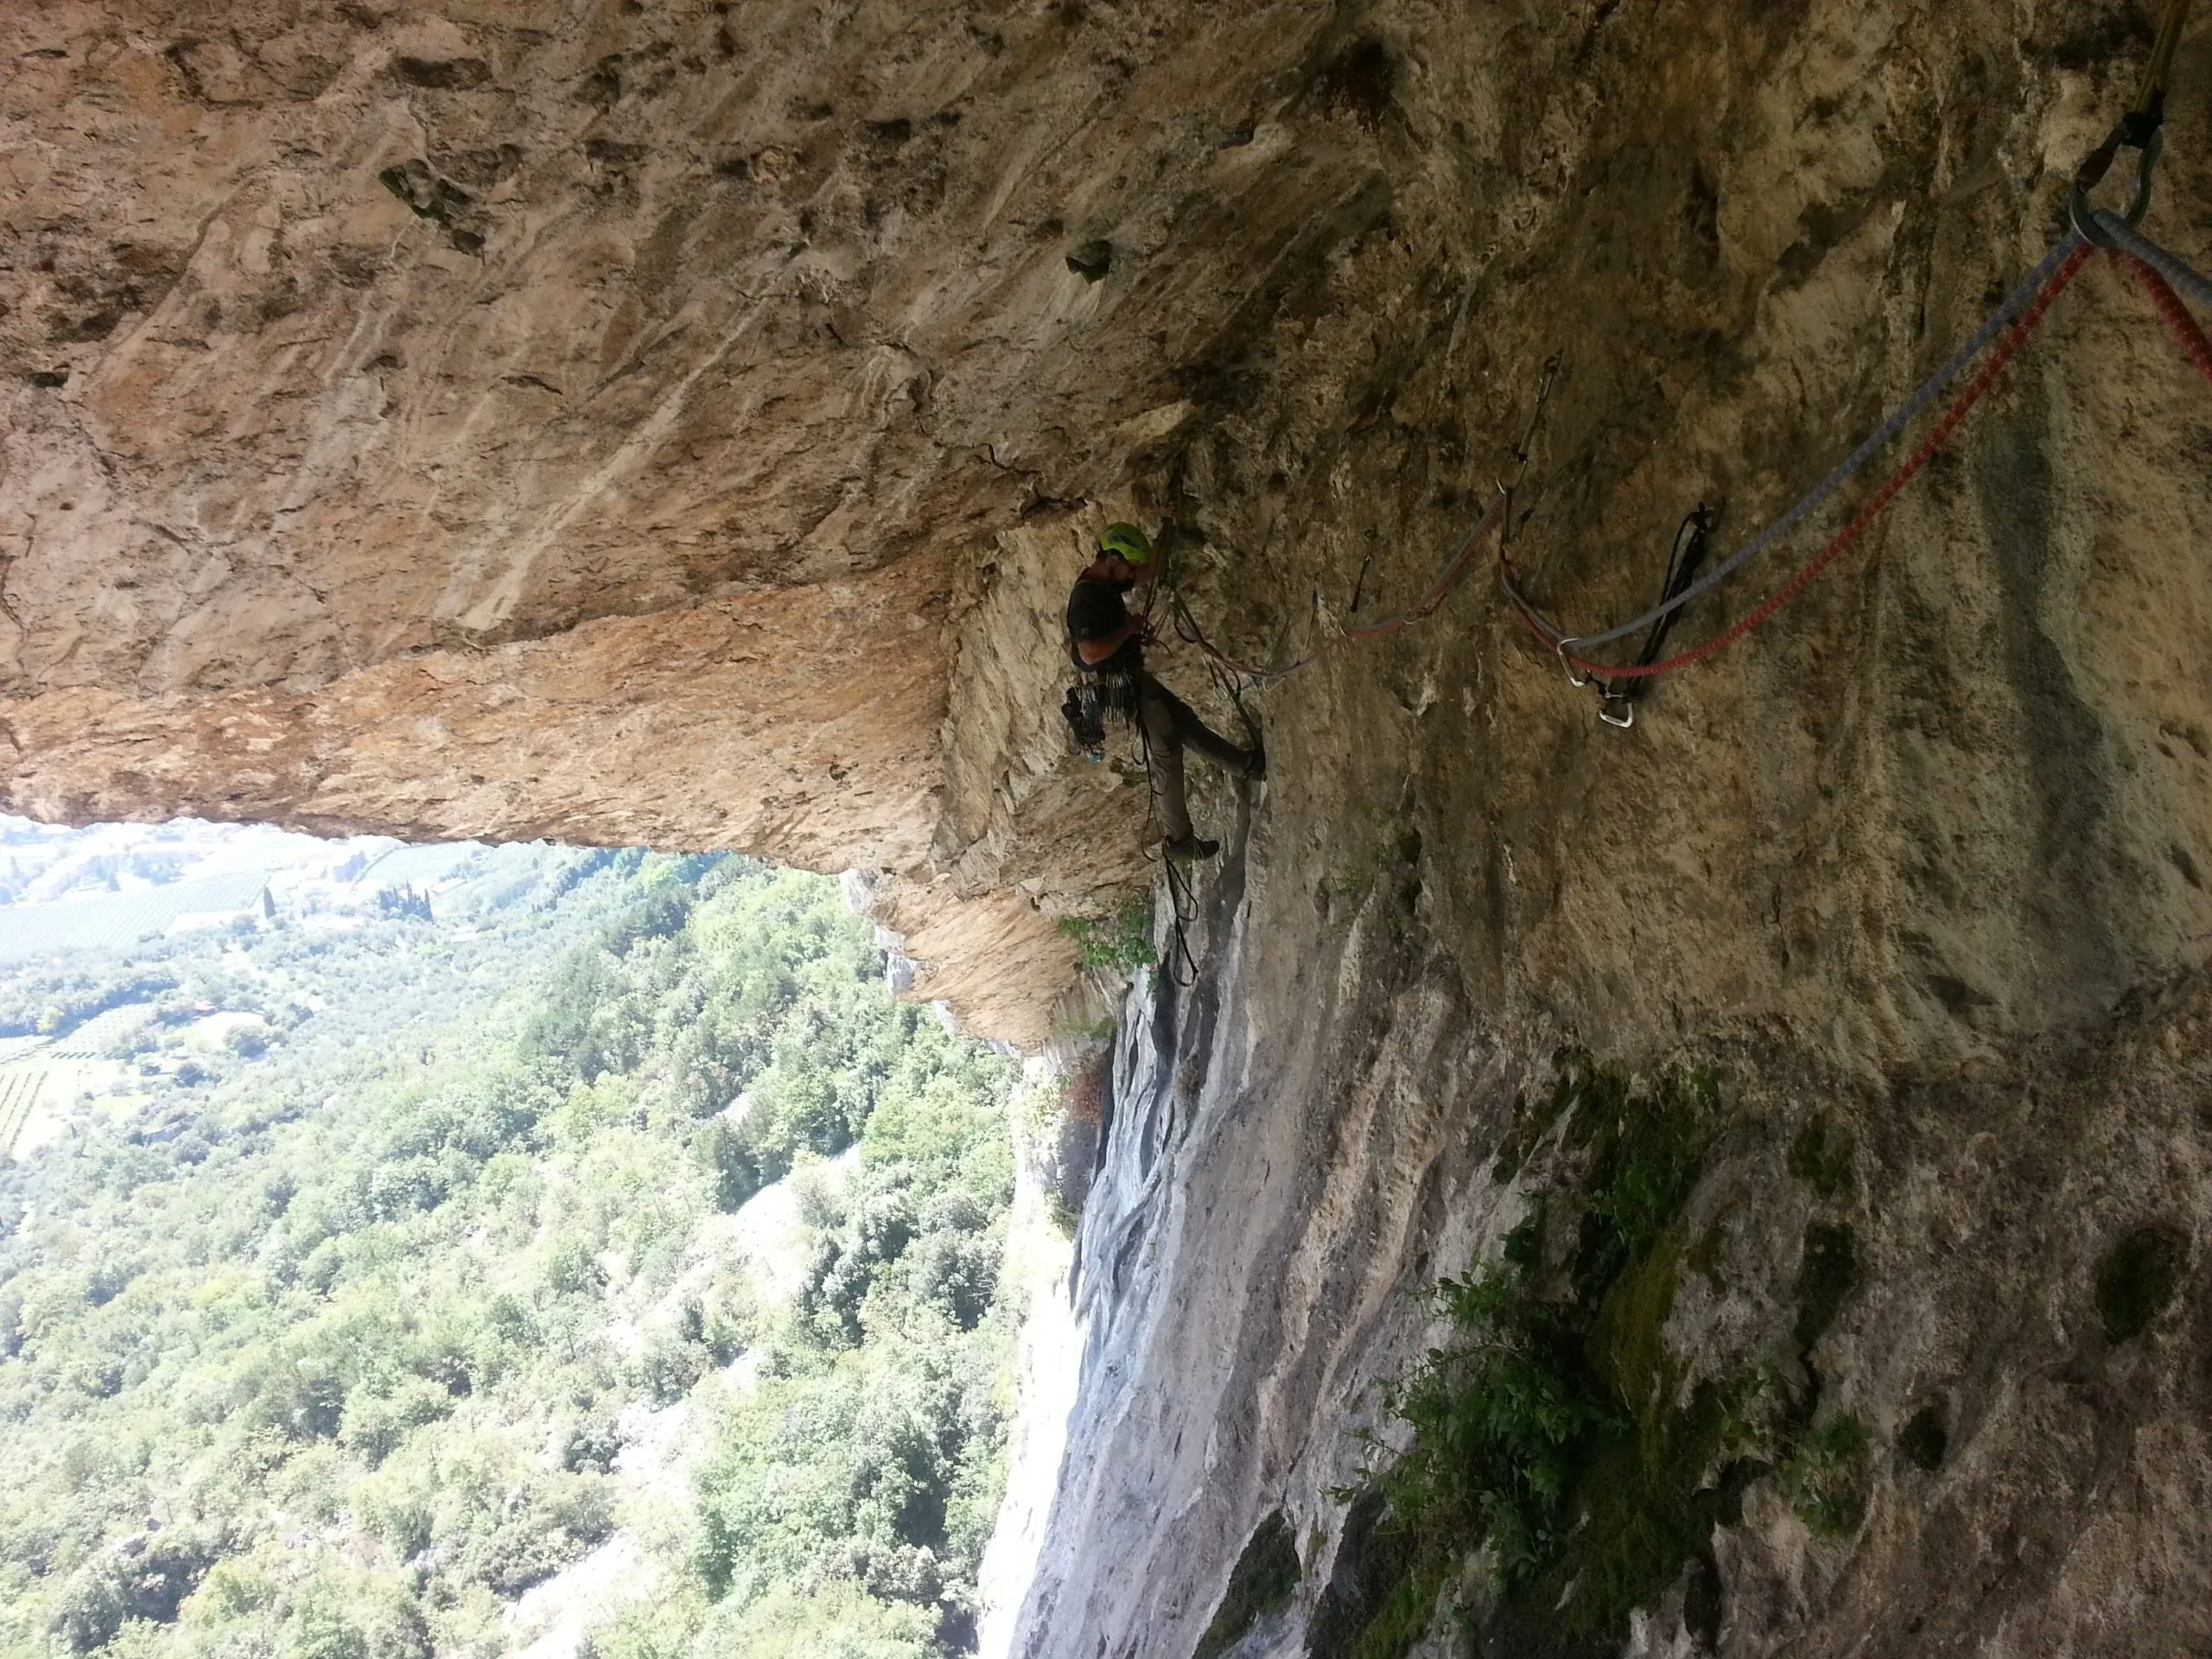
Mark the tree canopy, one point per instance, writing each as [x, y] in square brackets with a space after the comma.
[373, 1334]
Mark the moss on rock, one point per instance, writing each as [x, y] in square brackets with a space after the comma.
[1560, 1438]
[1822, 1156]
[1553, 1438]
[1262, 1581]
[1826, 1481]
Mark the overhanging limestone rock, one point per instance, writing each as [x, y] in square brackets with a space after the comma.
[360, 473]
[336, 339]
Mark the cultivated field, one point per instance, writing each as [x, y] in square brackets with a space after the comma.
[21, 1085]
[117, 921]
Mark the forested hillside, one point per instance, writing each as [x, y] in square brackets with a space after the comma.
[609, 1271]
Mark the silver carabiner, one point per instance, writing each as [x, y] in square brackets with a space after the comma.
[1626, 721]
[1569, 667]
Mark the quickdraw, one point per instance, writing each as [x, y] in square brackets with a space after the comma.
[2007, 329]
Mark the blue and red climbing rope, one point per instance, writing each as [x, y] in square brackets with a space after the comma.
[2160, 273]
[2049, 281]
[2167, 264]
[2006, 330]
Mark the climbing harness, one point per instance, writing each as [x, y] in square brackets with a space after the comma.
[1093, 694]
[1085, 710]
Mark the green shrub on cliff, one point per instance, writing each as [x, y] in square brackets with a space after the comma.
[1555, 1437]
[1117, 941]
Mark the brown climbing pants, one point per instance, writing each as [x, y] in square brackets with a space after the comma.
[1169, 725]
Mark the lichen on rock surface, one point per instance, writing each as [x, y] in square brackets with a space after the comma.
[680, 424]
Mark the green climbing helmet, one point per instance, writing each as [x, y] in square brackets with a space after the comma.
[1124, 541]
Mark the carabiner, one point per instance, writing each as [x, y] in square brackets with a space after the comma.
[2140, 130]
[1626, 719]
[1568, 666]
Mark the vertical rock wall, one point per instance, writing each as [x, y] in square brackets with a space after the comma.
[677, 422]
[1919, 867]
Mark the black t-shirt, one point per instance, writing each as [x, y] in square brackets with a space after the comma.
[1095, 611]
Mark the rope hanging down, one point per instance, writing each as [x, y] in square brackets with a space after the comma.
[2076, 254]
[2008, 328]
[2160, 272]
[2015, 304]
[1446, 578]
[2192, 339]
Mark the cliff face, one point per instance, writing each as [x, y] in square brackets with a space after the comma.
[674, 366]
[680, 424]
[1914, 878]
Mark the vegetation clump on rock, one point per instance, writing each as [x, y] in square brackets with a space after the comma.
[1565, 1466]
[1119, 941]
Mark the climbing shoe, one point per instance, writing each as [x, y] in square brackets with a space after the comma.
[1185, 847]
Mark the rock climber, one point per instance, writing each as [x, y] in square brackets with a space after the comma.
[1106, 644]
